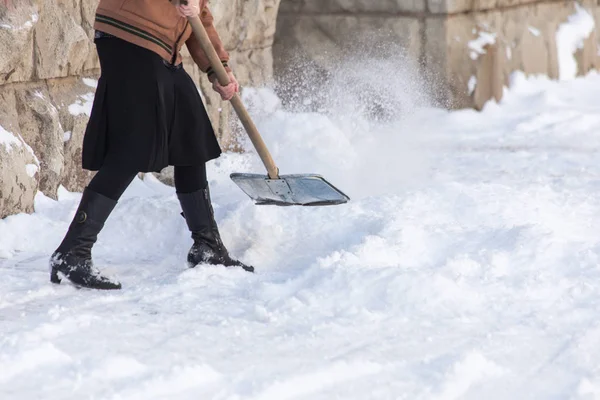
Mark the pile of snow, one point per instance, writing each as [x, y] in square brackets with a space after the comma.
[465, 267]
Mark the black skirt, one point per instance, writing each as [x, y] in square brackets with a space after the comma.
[146, 114]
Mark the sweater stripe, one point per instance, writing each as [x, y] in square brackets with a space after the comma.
[134, 31]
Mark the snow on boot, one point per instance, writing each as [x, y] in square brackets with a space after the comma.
[208, 247]
[73, 258]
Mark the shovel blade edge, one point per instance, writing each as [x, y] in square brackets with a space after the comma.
[290, 190]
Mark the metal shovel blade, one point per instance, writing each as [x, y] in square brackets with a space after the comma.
[290, 190]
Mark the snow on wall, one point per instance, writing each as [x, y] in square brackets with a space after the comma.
[534, 31]
[31, 169]
[569, 38]
[93, 83]
[25, 26]
[477, 46]
[83, 105]
[472, 84]
[8, 140]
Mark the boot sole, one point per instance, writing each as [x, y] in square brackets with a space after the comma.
[192, 265]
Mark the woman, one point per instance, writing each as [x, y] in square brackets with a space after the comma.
[147, 114]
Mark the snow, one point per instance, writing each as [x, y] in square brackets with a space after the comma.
[31, 169]
[67, 136]
[8, 139]
[569, 38]
[466, 266]
[33, 20]
[472, 84]
[83, 105]
[93, 83]
[30, 150]
[25, 26]
[587, 388]
[474, 367]
[477, 46]
[534, 31]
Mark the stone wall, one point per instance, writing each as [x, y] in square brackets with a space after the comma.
[48, 72]
[466, 48]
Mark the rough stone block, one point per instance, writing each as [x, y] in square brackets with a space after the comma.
[62, 46]
[317, 55]
[18, 183]
[522, 38]
[88, 14]
[245, 25]
[73, 98]
[19, 167]
[465, 6]
[16, 42]
[40, 127]
[327, 39]
[353, 6]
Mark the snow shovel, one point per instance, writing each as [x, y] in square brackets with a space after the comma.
[270, 189]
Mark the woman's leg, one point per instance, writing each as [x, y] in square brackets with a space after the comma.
[111, 181]
[190, 179]
[73, 258]
[194, 196]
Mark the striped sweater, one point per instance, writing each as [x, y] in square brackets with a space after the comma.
[157, 26]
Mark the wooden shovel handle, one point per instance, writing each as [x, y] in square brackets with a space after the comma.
[236, 101]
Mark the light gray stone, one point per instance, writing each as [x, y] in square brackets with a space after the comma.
[352, 6]
[19, 168]
[16, 42]
[88, 14]
[327, 39]
[17, 186]
[73, 99]
[246, 25]
[310, 51]
[465, 6]
[40, 127]
[62, 46]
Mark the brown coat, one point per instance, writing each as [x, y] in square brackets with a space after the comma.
[157, 26]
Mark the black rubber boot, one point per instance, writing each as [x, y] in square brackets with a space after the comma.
[208, 247]
[73, 258]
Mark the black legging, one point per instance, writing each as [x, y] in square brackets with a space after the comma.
[111, 180]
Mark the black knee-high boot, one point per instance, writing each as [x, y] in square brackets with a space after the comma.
[208, 247]
[73, 258]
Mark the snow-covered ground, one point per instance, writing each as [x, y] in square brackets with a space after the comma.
[466, 266]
